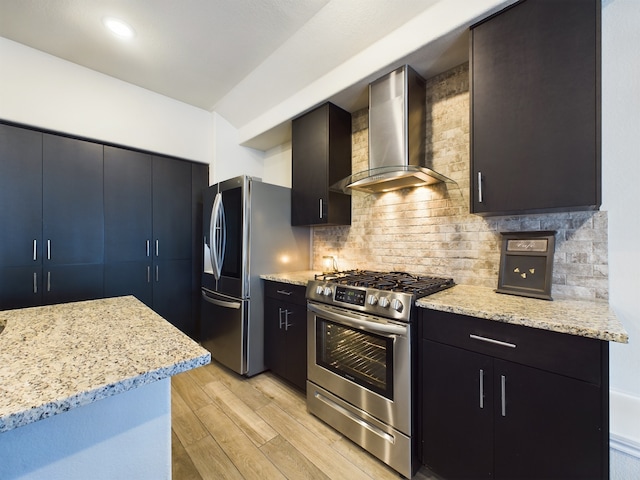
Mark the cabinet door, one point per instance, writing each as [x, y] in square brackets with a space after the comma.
[296, 328]
[457, 417]
[171, 209]
[73, 213]
[127, 205]
[535, 108]
[72, 283]
[309, 169]
[129, 278]
[20, 287]
[20, 196]
[275, 353]
[172, 293]
[546, 425]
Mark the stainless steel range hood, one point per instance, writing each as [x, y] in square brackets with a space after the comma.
[397, 136]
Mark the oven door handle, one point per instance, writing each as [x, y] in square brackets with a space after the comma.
[354, 320]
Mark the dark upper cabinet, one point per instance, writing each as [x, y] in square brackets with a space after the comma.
[171, 209]
[20, 196]
[535, 108]
[534, 405]
[321, 156]
[72, 203]
[127, 205]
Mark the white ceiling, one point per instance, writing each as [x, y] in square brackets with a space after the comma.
[237, 57]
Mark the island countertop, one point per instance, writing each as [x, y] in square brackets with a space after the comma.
[58, 357]
[585, 318]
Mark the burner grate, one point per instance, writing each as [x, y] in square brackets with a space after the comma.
[390, 281]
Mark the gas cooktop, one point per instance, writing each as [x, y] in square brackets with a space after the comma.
[417, 285]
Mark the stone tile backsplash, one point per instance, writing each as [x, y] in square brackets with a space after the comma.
[429, 230]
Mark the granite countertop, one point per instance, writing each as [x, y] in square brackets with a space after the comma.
[294, 278]
[58, 357]
[584, 318]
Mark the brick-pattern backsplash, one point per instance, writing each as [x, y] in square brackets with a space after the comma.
[429, 230]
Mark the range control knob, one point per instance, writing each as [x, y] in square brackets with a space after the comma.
[383, 302]
[397, 305]
[372, 299]
[327, 291]
[319, 289]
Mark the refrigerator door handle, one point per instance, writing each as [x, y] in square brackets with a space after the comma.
[217, 236]
[221, 303]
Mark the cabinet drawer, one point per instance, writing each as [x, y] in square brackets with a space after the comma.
[286, 291]
[570, 355]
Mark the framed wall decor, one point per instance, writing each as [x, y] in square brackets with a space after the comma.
[526, 264]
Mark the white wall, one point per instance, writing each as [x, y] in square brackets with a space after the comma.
[620, 182]
[231, 159]
[277, 165]
[44, 91]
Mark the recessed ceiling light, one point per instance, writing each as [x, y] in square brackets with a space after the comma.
[118, 27]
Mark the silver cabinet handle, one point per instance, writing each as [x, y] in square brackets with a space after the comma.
[48, 249]
[148, 247]
[491, 340]
[284, 292]
[481, 388]
[48, 281]
[35, 250]
[157, 273]
[148, 274]
[503, 391]
[280, 310]
[157, 248]
[320, 208]
[479, 187]
[35, 282]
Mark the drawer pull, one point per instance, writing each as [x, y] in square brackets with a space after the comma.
[491, 340]
[284, 292]
[503, 392]
[481, 388]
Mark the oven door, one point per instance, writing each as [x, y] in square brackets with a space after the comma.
[362, 359]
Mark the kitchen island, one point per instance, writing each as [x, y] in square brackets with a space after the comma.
[85, 390]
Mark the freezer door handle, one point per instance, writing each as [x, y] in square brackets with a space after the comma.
[221, 303]
[217, 236]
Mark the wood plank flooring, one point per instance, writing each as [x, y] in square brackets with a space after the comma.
[225, 426]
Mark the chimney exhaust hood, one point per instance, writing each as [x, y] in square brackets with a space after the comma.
[397, 131]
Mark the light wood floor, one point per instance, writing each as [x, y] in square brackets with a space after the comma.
[226, 426]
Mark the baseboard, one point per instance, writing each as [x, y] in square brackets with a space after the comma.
[624, 425]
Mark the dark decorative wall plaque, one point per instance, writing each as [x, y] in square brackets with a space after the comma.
[526, 264]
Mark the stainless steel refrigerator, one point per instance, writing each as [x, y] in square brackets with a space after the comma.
[248, 232]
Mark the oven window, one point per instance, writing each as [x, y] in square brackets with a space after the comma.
[362, 357]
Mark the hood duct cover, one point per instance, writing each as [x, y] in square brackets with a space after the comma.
[397, 130]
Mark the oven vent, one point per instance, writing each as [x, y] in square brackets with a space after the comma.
[397, 129]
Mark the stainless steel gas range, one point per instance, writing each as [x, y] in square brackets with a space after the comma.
[361, 358]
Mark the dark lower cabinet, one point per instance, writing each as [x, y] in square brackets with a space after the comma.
[533, 407]
[285, 332]
[20, 287]
[129, 278]
[72, 283]
[172, 293]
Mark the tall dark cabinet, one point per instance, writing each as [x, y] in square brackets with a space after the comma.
[86, 220]
[20, 217]
[535, 108]
[321, 156]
